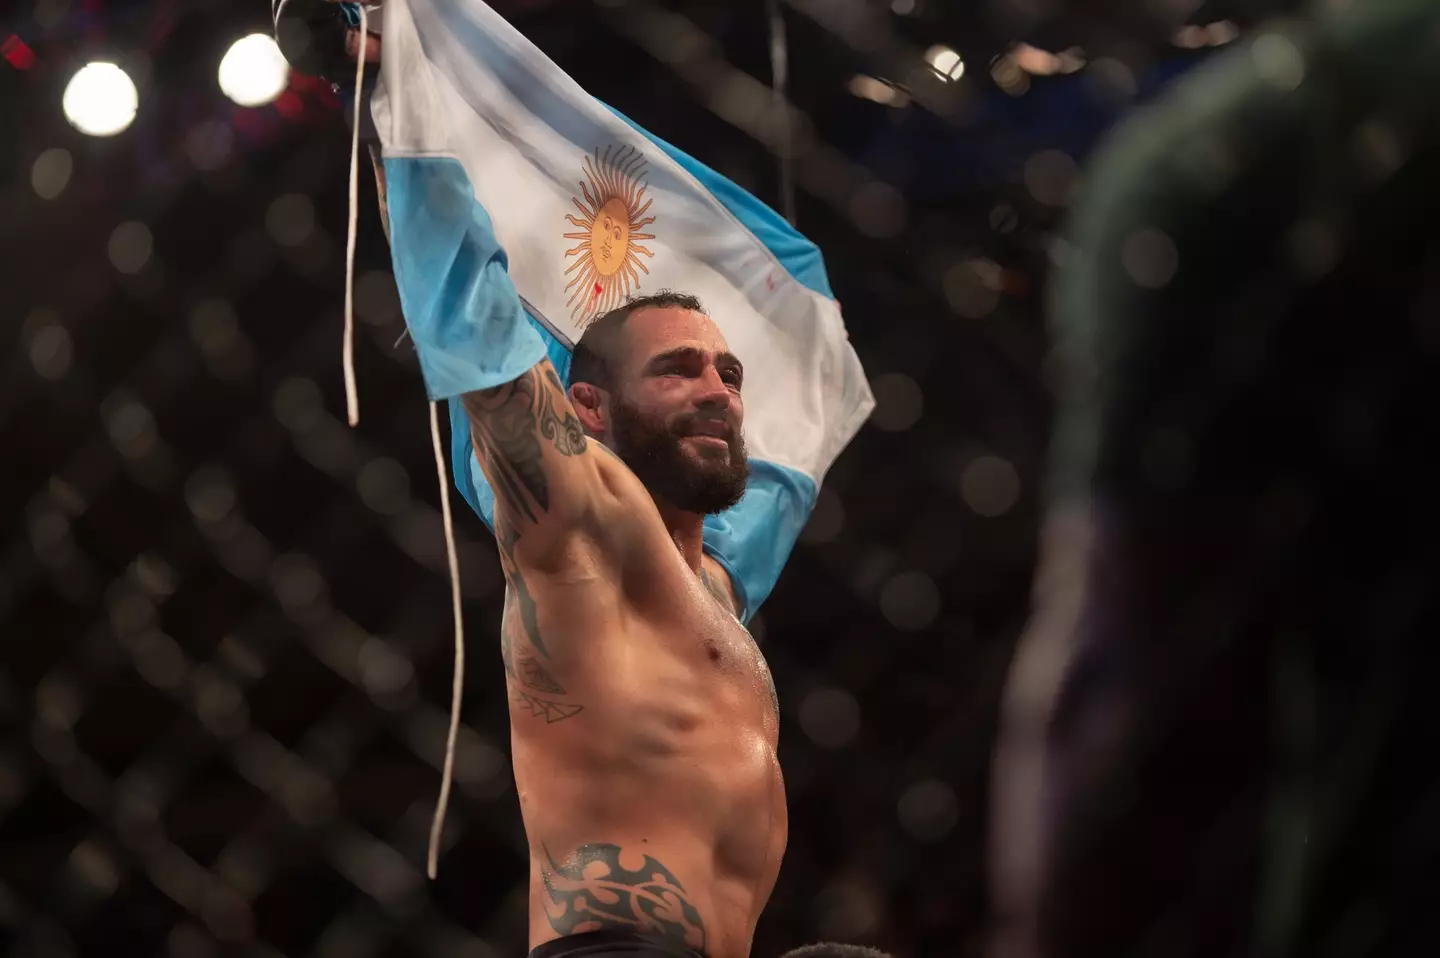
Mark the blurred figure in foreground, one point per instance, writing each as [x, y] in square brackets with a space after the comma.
[1217, 734]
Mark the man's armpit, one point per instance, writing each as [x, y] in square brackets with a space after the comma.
[717, 583]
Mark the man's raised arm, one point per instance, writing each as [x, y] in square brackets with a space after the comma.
[537, 459]
[528, 441]
[470, 330]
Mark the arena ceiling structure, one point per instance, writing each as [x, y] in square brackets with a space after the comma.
[225, 613]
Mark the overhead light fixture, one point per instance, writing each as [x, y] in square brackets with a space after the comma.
[945, 62]
[100, 99]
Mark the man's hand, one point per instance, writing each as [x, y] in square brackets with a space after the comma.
[352, 40]
[319, 39]
[372, 45]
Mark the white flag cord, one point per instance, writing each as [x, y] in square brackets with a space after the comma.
[352, 405]
[347, 352]
[447, 776]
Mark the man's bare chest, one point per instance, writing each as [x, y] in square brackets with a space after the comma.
[735, 648]
[567, 653]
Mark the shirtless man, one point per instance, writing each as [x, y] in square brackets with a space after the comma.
[643, 718]
[644, 721]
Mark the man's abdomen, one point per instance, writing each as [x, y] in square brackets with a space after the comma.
[678, 836]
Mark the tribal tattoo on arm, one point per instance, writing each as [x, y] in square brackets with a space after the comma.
[592, 890]
[509, 423]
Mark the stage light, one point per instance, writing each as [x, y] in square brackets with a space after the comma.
[1037, 62]
[253, 71]
[1215, 34]
[876, 90]
[100, 99]
[945, 62]
[1222, 32]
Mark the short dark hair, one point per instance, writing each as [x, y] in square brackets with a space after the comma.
[594, 358]
[833, 949]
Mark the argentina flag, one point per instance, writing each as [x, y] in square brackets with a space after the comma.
[510, 189]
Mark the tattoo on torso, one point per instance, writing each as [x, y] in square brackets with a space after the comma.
[509, 423]
[533, 688]
[593, 891]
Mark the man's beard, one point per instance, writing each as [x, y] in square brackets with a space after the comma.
[694, 482]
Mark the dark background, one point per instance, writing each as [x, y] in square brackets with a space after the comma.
[225, 622]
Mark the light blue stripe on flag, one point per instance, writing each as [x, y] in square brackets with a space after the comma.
[466, 320]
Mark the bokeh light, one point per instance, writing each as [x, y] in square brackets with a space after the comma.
[990, 486]
[830, 717]
[253, 71]
[910, 601]
[290, 219]
[101, 99]
[50, 173]
[928, 810]
[898, 402]
[1150, 257]
[49, 345]
[972, 288]
[209, 145]
[131, 245]
[384, 486]
[1050, 177]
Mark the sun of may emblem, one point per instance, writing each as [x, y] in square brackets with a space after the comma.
[611, 217]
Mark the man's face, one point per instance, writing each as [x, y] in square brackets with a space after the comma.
[676, 413]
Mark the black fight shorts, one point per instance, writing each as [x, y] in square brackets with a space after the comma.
[604, 944]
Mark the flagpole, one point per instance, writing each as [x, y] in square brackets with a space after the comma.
[779, 70]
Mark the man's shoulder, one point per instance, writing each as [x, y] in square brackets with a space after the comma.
[631, 524]
[620, 481]
[623, 530]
